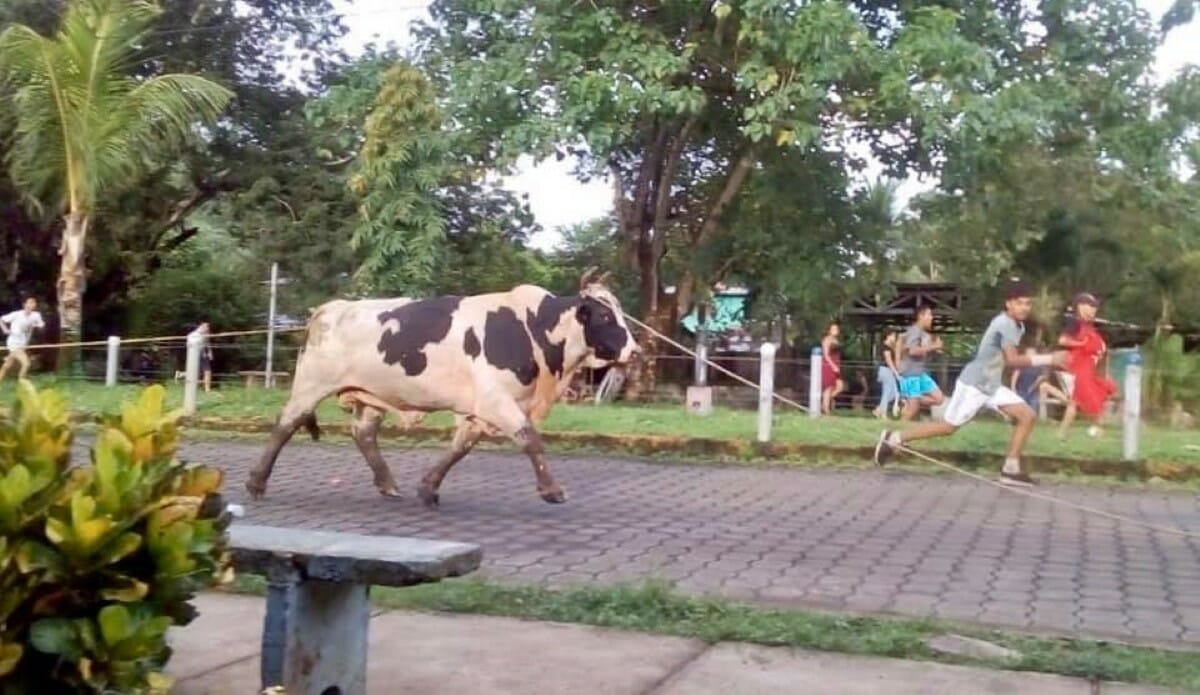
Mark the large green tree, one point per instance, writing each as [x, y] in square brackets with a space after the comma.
[84, 129]
[683, 103]
[1094, 197]
[426, 219]
[259, 153]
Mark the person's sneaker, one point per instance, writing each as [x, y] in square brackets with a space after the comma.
[883, 448]
[1019, 479]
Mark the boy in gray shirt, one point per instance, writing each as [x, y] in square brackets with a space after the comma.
[981, 385]
[917, 388]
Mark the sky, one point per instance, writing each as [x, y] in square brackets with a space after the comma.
[555, 197]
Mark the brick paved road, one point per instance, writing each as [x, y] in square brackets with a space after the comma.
[863, 540]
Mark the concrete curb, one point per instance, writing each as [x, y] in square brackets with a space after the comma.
[444, 654]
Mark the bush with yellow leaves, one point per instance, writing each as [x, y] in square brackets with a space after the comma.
[96, 562]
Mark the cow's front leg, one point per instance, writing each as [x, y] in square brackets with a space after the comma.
[515, 423]
[531, 443]
[466, 436]
[366, 435]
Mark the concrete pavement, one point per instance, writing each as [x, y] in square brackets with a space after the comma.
[848, 540]
[431, 654]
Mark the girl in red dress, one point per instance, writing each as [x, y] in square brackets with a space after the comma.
[1088, 390]
[831, 367]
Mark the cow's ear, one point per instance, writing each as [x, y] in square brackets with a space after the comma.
[583, 313]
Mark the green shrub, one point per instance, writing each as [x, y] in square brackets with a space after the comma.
[97, 562]
[1170, 375]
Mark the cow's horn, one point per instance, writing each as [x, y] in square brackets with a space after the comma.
[604, 277]
[587, 277]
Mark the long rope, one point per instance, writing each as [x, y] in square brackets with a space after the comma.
[926, 457]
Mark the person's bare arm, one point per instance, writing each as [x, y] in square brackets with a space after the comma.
[1013, 357]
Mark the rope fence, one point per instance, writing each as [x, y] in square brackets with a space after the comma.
[158, 339]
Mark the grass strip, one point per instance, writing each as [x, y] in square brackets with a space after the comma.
[655, 607]
[658, 430]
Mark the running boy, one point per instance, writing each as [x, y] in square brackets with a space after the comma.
[18, 326]
[917, 388]
[981, 385]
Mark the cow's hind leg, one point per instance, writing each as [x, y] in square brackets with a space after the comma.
[299, 411]
[466, 436]
[366, 435]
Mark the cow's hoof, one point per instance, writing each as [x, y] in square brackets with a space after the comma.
[429, 497]
[389, 490]
[256, 489]
[554, 495]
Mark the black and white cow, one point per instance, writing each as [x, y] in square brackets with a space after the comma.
[499, 361]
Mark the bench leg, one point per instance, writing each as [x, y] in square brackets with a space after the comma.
[315, 635]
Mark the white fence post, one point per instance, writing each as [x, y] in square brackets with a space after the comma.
[814, 384]
[268, 380]
[1133, 405]
[191, 373]
[766, 391]
[114, 352]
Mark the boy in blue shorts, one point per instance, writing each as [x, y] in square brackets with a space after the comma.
[917, 388]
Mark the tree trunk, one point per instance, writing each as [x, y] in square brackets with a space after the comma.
[685, 290]
[644, 373]
[1164, 314]
[72, 283]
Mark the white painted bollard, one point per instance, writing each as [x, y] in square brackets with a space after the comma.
[269, 379]
[698, 397]
[191, 373]
[700, 371]
[110, 368]
[814, 384]
[1133, 405]
[766, 391]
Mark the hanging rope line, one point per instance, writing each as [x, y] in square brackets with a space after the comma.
[161, 339]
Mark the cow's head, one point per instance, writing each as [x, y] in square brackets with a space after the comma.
[604, 331]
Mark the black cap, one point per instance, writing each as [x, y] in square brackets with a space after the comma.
[1086, 298]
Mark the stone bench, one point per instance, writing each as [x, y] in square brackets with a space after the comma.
[314, 638]
[254, 377]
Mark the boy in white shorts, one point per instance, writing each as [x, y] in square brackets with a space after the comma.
[981, 385]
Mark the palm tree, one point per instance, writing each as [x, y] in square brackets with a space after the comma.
[83, 129]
